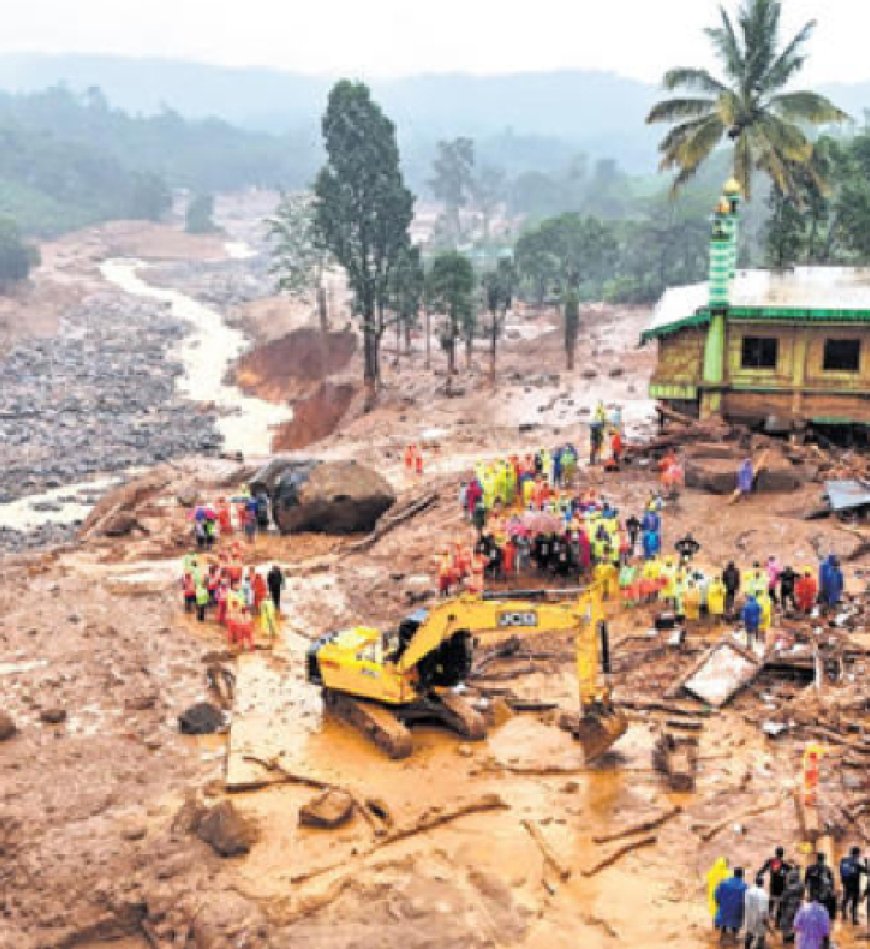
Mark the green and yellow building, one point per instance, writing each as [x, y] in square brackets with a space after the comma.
[789, 349]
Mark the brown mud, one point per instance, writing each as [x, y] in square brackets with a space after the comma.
[503, 842]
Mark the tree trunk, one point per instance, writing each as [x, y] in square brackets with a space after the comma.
[469, 342]
[451, 361]
[493, 343]
[408, 337]
[370, 362]
[428, 340]
[398, 338]
[323, 309]
[570, 345]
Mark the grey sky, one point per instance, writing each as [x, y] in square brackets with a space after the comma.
[638, 38]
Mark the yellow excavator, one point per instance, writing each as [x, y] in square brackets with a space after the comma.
[380, 682]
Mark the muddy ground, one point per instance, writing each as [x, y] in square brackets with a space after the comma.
[484, 844]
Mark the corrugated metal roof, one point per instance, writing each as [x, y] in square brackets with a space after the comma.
[847, 495]
[821, 294]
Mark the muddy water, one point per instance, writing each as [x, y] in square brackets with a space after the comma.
[206, 354]
[65, 505]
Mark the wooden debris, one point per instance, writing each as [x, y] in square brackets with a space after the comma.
[641, 828]
[550, 859]
[619, 853]
[392, 520]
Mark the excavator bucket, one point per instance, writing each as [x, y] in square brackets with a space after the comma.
[596, 730]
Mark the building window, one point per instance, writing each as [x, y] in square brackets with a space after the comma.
[842, 355]
[758, 352]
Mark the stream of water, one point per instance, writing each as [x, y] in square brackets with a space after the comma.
[206, 354]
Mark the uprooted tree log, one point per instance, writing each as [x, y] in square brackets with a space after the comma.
[617, 854]
[641, 828]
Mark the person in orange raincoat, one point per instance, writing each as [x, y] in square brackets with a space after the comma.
[806, 590]
[224, 517]
[258, 585]
[446, 572]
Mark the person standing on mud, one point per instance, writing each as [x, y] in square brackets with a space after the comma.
[792, 894]
[819, 880]
[275, 581]
[787, 580]
[851, 869]
[756, 907]
[745, 478]
[729, 898]
[731, 579]
[813, 924]
[778, 869]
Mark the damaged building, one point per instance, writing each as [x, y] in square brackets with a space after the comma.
[785, 350]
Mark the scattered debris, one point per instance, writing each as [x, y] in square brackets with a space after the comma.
[201, 719]
[332, 808]
[225, 830]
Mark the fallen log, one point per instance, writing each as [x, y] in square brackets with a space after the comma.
[641, 828]
[550, 859]
[712, 830]
[391, 521]
[618, 854]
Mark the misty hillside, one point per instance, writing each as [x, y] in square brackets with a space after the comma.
[598, 113]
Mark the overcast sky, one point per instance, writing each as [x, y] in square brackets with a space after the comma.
[637, 38]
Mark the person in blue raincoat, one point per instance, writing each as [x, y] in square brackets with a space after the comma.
[651, 544]
[832, 590]
[651, 521]
[745, 477]
[730, 898]
[751, 616]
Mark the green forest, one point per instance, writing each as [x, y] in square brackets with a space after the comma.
[68, 160]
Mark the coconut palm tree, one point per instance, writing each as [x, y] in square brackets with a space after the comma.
[750, 105]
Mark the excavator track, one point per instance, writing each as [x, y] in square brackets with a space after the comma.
[377, 723]
[461, 717]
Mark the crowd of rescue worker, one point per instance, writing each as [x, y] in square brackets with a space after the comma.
[531, 520]
[784, 900]
[217, 583]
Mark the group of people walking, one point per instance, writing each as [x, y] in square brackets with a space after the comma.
[238, 596]
[781, 898]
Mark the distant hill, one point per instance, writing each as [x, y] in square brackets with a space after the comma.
[596, 112]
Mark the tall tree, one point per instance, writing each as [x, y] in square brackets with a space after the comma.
[453, 180]
[199, 216]
[298, 260]
[406, 293]
[451, 292]
[363, 209]
[498, 287]
[750, 105]
[488, 188]
[16, 256]
[572, 326]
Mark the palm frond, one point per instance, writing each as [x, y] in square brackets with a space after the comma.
[729, 108]
[787, 139]
[759, 24]
[679, 133]
[699, 80]
[806, 106]
[687, 151]
[670, 110]
[725, 42]
[790, 60]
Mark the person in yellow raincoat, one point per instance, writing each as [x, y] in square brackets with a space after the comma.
[766, 605]
[692, 602]
[718, 872]
[716, 599]
[268, 619]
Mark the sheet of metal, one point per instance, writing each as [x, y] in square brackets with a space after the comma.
[847, 495]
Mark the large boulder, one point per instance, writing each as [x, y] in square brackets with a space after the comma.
[330, 497]
[714, 475]
[225, 830]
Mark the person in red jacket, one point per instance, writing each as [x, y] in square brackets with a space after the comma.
[616, 446]
[806, 590]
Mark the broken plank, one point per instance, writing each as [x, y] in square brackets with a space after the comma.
[617, 854]
[640, 828]
[562, 870]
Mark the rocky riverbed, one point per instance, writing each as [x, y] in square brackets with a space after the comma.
[97, 399]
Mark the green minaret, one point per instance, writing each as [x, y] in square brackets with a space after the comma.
[723, 265]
